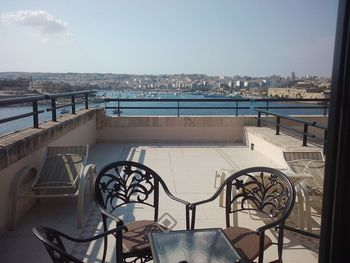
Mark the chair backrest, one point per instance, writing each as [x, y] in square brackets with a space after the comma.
[316, 169]
[307, 162]
[125, 182]
[265, 190]
[79, 150]
[62, 168]
[54, 245]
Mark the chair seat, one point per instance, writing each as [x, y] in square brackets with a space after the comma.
[246, 241]
[135, 240]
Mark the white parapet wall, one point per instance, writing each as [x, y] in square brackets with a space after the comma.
[173, 129]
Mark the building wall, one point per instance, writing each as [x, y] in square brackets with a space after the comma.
[182, 129]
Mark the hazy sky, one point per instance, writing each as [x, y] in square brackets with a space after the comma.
[218, 37]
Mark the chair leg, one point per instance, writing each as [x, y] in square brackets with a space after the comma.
[261, 246]
[92, 185]
[307, 209]
[105, 238]
[301, 214]
[308, 216]
[217, 175]
[280, 243]
[80, 209]
[222, 179]
[119, 246]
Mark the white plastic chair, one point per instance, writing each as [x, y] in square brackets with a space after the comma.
[311, 188]
[63, 174]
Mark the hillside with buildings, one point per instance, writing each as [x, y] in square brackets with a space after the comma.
[29, 83]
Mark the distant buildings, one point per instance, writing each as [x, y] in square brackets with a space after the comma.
[246, 86]
[298, 93]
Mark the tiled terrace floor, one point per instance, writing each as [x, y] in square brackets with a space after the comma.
[189, 173]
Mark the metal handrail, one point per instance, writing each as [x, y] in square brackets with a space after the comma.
[35, 99]
[224, 99]
[54, 107]
[35, 112]
[85, 93]
[236, 107]
[305, 133]
[12, 101]
[178, 107]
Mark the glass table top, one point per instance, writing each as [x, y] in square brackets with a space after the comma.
[201, 245]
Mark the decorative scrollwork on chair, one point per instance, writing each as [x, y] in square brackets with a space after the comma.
[122, 183]
[262, 189]
[126, 184]
[263, 192]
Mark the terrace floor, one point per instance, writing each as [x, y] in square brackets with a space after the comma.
[187, 169]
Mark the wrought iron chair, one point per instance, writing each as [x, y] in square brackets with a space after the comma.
[124, 182]
[52, 240]
[265, 190]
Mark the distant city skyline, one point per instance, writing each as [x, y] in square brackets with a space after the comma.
[216, 38]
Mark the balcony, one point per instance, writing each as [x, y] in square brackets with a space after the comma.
[185, 151]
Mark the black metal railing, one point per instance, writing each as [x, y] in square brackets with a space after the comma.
[236, 104]
[306, 124]
[34, 102]
[83, 95]
[324, 104]
[179, 107]
[71, 99]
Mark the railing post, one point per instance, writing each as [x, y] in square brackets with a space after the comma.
[73, 104]
[236, 108]
[35, 116]
[306, 127]
[118, 107]
[259, 121]
[267, 107]
[178, 108]
[53, 106]
[86, 100]
[325, 108]
[278, 123]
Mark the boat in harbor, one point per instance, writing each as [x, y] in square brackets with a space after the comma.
[214, 95]
[233, 95]
[64, 111]
[117, 112]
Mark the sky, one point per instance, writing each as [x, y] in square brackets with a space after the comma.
[217, 37]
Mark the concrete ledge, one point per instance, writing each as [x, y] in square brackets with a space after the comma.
[16, 146]
[283, 141]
